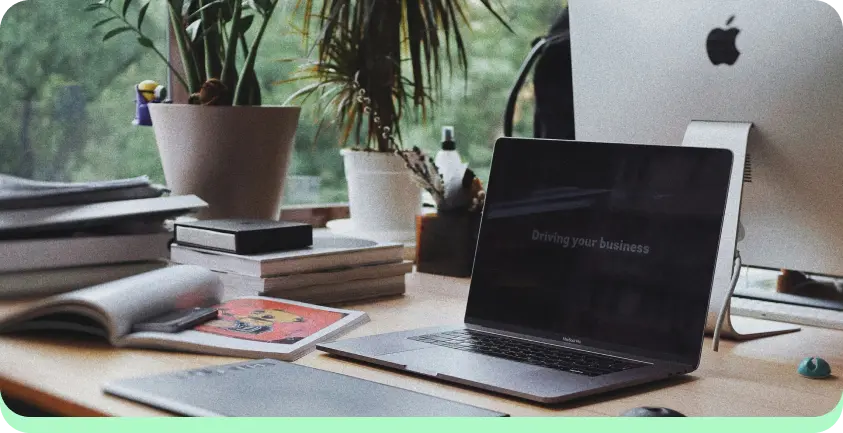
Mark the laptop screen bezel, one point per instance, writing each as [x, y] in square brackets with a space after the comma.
[578, 341]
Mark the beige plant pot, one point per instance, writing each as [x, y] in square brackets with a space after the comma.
[234, 158]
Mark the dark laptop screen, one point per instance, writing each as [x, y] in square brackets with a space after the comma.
[613, 245]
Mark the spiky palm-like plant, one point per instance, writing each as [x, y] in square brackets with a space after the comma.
[395, 50]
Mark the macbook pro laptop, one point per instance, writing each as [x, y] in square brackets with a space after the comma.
[593, 272]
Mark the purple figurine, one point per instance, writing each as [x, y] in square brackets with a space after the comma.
[147, 92]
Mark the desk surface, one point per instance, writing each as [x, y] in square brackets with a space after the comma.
[756, 378]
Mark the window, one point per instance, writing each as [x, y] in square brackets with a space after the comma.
[474, 108]
[68, 103]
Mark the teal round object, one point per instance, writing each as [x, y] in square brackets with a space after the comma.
[814, 368]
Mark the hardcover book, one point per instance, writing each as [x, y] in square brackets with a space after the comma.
[245, 236]
[328, 252]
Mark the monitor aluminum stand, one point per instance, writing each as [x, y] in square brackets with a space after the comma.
[735, 137]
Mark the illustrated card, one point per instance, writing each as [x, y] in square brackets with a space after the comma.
[269, 321]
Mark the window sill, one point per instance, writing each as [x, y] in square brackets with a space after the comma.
[316, 215]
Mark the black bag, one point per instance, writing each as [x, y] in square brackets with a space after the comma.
[553, 81]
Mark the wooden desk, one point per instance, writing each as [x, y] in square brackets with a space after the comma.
[64, 375]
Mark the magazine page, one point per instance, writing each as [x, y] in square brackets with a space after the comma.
[257, 327]
[76, 318]
[119, 304]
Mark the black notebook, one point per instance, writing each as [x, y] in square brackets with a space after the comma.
[270, 388]
[245, 236]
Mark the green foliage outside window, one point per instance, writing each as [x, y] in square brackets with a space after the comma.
[68, 101]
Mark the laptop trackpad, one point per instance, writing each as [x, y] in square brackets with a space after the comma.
[457, 363]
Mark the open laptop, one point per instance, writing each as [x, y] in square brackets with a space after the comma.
[593, 272]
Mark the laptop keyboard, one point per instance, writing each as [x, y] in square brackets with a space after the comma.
[557, 358]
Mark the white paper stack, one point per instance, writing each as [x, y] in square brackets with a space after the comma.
[334, 270]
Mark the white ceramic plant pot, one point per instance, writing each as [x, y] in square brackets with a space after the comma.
[383, 198]
[234, 158]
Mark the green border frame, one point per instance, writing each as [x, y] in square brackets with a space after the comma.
[425, 425]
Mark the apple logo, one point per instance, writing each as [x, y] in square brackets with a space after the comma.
[721, 45]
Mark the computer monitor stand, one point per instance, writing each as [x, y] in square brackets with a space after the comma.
[735, 137]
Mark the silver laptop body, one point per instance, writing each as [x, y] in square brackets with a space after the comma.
[599, 253]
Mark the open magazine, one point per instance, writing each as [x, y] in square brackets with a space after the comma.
[250, 327]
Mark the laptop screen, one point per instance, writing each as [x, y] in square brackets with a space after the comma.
[607, 245]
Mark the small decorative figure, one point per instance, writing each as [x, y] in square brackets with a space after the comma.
[814, 368]
[147, 92]
[213, 92]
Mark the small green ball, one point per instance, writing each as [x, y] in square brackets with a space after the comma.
[814, 368]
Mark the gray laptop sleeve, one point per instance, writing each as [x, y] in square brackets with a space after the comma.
[270, 388]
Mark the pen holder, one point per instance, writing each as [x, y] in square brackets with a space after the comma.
[446, 243]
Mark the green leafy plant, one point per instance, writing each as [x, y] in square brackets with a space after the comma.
[211, 39]
[392, 50]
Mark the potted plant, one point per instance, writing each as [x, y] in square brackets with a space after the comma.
[223, 145]
[376, 60]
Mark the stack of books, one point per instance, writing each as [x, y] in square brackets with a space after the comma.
[59, 237]
[333, 270]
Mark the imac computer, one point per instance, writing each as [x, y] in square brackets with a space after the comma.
[644, 70]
